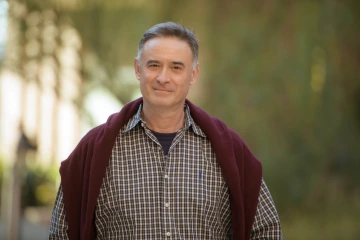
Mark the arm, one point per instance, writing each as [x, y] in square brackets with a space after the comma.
[58, 224]
[267, 222]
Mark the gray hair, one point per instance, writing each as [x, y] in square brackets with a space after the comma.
[171, 29]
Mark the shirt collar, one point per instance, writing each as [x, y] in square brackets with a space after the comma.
[134, 120]
[189, 121]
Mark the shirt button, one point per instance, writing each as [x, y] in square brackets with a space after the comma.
[168, 234]
[159, 148]
[167, 205]
[142, 124]
[166, 176]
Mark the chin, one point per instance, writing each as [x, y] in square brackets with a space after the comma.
[163, 102]
[156, 101]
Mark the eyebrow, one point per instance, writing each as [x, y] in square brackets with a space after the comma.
[152, 61]
[174, 63]
[179, 63]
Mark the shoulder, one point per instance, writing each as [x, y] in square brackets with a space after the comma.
[92, 134]
[209, 124]
[237, 141]
[241, 149]
[99, 136]
[99, 132]
[85, 145]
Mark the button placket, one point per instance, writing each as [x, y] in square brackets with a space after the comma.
[166, 199]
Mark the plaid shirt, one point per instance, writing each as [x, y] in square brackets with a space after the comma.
[183, 195]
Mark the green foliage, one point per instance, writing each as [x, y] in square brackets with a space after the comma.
[274, 76]
[39, 186]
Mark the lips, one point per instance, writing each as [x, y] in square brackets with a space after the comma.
[162, 90]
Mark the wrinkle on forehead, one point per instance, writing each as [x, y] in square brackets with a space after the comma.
[167, 49]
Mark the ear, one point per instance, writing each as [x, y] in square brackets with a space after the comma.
[194, 74]
[137, 68]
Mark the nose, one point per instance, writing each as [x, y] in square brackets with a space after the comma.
[163, 76]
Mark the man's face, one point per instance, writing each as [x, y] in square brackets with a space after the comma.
[165, 72]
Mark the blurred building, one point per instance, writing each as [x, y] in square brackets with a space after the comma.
[44, 94]
[40, 85]
[50, 123]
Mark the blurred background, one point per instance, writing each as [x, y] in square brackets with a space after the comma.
[283, 74]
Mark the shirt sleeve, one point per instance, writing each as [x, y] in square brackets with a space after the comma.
[58, 224]
[267, 222]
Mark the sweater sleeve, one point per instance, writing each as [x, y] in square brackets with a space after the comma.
[250, 170]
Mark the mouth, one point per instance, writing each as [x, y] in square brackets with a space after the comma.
[162, 91]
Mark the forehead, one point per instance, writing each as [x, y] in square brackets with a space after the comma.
[167, 47]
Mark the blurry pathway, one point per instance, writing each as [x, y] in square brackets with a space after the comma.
[29, 231]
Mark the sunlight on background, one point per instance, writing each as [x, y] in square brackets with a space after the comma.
[3, 23]
[100, 103]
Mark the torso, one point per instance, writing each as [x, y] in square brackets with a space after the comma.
[147, 195]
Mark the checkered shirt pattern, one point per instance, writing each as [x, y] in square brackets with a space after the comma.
[148, 195]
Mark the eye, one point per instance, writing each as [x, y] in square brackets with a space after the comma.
[177, 67]
[154, 65]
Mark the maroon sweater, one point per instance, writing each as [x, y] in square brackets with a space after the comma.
[82, 173]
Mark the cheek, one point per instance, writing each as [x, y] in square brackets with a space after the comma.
[148, 77]
[185, 86]
[144, 86]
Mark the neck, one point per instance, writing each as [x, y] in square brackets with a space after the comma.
[163, 120]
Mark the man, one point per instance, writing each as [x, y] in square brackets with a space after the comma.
[162, 168]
